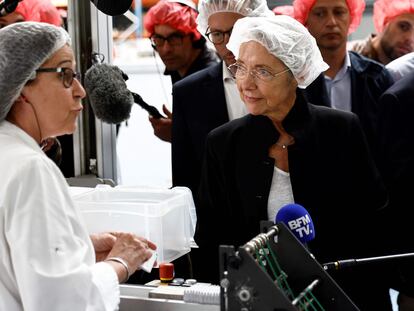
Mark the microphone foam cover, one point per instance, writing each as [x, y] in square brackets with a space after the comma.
[298, 220]
[108, 93]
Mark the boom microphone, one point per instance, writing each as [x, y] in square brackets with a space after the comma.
[298, 220]
[112, 7]
[109, 96]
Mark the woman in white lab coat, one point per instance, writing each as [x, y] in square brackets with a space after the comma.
[47, 259]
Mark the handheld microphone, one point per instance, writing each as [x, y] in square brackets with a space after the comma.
[8, 6]
[150, 109]
[298, 220]
[112, 7]
[109, 96]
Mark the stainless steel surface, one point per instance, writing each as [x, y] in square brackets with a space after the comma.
[135, 298]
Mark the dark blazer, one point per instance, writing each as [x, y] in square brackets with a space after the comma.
[396, 164]
[199, 105]
[396, 129]
[369, 80]
[332, 176]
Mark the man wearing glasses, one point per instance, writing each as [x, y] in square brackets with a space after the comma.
[173, 32]
[352, 82]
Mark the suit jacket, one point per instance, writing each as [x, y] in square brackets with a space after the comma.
[396, 129]
[369, 80]
[396, 164]
[199, 105]
[332, 174]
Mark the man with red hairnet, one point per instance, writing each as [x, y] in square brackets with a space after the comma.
[172, 28]
[353, 82]
[33, 11]
[394, 22]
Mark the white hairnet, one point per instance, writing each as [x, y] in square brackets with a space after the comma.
[285, 38]
[206, 8]
[24, 47]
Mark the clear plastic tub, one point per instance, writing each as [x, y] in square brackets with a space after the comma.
[165, 217]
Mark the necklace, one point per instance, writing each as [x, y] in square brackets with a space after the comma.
[284, 146]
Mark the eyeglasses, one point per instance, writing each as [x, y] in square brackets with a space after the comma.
[240, 72]
[217, 37]
[66, 74]
[173, 40]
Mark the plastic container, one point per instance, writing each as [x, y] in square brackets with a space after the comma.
[165, 217]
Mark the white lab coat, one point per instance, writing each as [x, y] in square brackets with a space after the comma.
[47, 261]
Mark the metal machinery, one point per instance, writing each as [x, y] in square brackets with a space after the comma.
[273, 271]
[134, 298]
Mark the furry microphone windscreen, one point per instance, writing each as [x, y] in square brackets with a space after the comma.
[108, 94]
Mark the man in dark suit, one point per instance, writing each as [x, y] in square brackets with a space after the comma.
[208, 98]
[173, 32]
[396, 150]
[353, 82]
[199, 106]
[368, 81]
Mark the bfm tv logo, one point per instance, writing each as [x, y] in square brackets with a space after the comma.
[301, 225]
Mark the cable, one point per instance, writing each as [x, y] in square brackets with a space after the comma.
[160, 76]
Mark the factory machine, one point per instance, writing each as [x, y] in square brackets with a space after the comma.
[273, 271]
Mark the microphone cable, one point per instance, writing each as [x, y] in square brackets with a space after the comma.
[160, 76]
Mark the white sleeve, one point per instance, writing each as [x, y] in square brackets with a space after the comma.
[106, 280]
[52, 256]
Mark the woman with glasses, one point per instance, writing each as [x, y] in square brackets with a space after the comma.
[284, 151]
[47, 259]
[59, 149]
[209, 98]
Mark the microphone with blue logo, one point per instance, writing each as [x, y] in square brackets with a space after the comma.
[298, 220]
